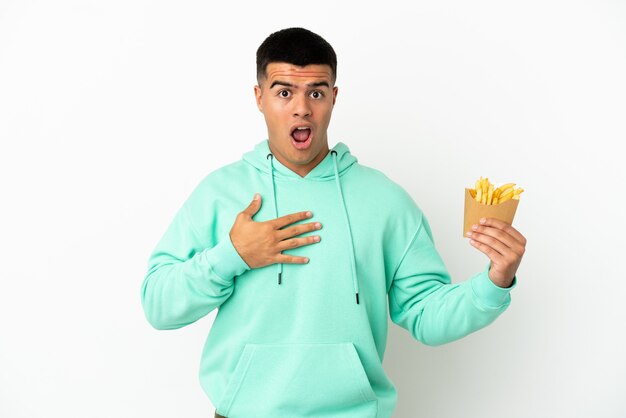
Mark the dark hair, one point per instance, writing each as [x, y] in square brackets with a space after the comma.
[296, 46]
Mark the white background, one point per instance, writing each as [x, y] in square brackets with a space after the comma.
[111, 112]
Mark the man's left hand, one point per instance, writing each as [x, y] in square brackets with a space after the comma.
[504, 246]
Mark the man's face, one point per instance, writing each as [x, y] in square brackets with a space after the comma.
[297, 103]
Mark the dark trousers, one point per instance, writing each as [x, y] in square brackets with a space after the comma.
[218, 415]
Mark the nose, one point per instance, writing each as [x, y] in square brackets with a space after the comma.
[301, 106]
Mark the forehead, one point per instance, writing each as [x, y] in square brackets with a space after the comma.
[282, 71]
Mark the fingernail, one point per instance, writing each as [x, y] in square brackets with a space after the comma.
[309, 214]
[306, 260]
[468, 233]
[257, 196]
[472, 242]
[474, 227]
[483, 220]
[316, 239]
[318, 225]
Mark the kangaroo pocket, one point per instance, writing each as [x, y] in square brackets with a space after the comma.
[299, 380]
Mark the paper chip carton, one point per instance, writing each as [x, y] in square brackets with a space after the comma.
[504, 211]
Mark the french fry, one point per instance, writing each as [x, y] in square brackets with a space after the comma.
[506, 195]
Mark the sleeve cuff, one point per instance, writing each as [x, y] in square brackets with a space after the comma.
[224, 260]
[488, 293]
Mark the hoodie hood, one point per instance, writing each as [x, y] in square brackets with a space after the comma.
[325, 170]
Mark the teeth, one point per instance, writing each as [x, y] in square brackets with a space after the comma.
[302, 128]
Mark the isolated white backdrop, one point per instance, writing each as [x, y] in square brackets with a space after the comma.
[112, 112]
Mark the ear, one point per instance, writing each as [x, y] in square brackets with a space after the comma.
[257, 95]
[335, 91]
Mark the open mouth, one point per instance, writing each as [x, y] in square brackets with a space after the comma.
[301, 137]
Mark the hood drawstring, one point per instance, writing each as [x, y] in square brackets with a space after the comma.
[355, 281]
[270, 157]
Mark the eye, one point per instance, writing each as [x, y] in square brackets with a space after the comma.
[316, 94]
[283, 93]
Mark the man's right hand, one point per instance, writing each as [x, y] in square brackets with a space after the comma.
[261, 243]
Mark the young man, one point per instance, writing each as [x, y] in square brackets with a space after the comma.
[302, 276]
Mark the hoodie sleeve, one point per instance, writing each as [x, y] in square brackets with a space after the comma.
[187, 278]
[423, 301]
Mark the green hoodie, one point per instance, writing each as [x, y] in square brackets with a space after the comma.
[308, 340]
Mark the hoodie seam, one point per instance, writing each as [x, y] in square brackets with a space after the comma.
[190, 221]
[406, 250]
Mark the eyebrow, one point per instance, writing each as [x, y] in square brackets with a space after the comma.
[284, 83]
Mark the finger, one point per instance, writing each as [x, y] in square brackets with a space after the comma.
[493, 255]
[497, 223]
[495, 244]
[293, 231]
[253, 207]
[496, 233]
[297, 242]
[291, 259]
[289, 219]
